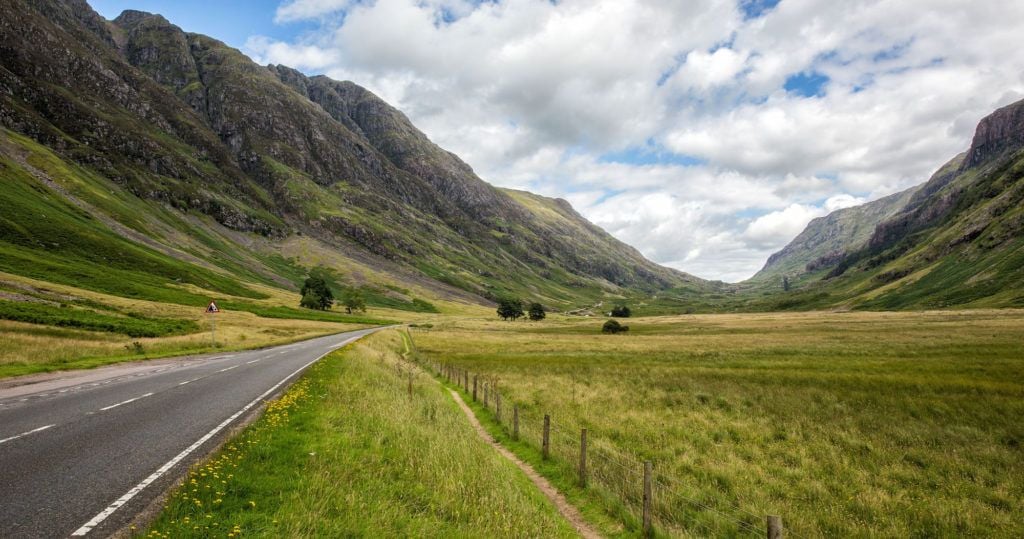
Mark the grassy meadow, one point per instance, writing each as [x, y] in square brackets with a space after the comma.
[345, 452]
[845, 424]
[54, 327]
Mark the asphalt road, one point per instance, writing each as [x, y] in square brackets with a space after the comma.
[84, 455]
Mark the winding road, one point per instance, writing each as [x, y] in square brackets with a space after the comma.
[82, 453]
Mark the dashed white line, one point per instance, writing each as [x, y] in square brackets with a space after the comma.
[98, 519]
[187, 381]
[251, 362]
[15, 437]
[229, 368]
[105, 408]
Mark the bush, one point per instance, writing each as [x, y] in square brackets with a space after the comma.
[613, 326]
[621, 311]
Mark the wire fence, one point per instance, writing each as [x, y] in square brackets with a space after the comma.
[644, 497]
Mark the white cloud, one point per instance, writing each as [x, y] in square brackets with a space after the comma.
[780, 226]
[537, 94]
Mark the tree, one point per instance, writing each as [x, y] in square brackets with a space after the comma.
[537, 312]
[319, 291]
[613, 326]
[353, 300]
[785, 283]
[510, 308]
[621, 311]
[310, 300]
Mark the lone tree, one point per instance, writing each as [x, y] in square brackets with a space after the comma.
[613, 326]
[353, 300]
[785, 283]
[316, 294]
[621, 311]
[537, 312]
[510, 308]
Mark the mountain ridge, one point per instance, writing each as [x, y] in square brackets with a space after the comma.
[956, 240]
[182, 121]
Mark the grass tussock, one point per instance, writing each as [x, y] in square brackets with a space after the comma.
[846, 424]
[345, 452]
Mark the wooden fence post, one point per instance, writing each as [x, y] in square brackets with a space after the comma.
[475, 378]
[515, 421]
[487, 395]
[774, 527]
[647, 498]
[583, 457]
[546, 443]
[410, 385]
[497, 403]
[465, 379]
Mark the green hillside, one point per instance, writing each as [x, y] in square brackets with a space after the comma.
[167, 160]
[958, 241]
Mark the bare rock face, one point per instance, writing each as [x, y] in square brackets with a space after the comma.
[161, 49]
[999, 132]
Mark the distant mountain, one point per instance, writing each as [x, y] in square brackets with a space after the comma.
[956, 241]
[827, 239]
[173, 145]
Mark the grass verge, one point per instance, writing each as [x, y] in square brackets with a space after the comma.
[346, 452]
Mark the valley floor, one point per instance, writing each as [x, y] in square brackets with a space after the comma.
[845, 424]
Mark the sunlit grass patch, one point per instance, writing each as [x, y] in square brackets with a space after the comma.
[846, 424]
[346, 452]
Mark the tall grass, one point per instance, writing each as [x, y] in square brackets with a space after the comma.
[854, 424]
[345, 452]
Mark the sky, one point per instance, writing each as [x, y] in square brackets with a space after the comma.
[706, 134]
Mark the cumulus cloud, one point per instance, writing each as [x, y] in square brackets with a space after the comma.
[703, 135]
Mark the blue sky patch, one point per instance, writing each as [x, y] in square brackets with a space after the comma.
[231, 22]
[650, 156]
[807, 84]
[753, 9]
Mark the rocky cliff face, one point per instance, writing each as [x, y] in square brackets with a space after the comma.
[827, 239]
[959, 240]
[1001, 131]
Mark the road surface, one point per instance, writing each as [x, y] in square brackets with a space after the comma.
[84, 453]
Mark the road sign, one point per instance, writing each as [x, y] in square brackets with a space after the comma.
[212, 309]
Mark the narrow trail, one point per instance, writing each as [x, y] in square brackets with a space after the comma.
[564, 507]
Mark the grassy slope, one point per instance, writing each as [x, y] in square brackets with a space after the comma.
[857, 424]
[345, 452]
[76, 251]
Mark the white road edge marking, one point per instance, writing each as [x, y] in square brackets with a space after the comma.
[103, 515]
[105, 408]
[229, 368]
[25, 433]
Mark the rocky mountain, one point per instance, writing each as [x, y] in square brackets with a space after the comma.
[827, 239]
[182, 147]
[957, 240]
